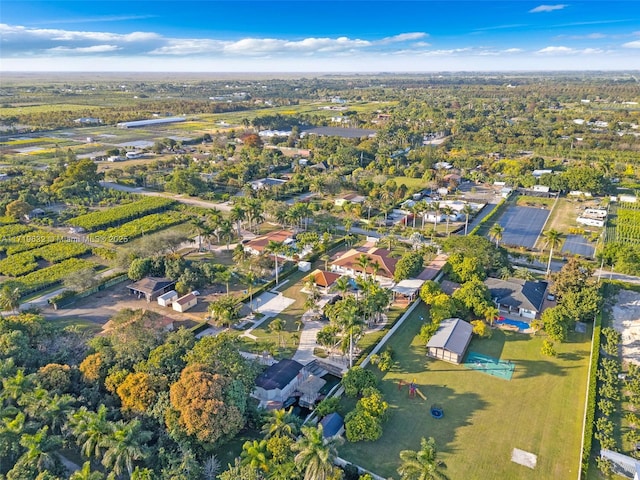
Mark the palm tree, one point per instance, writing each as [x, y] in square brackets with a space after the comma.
[467, 210]
[249, 280]
[435, 206]
[281, 423]
[224, 276]
[496, 232]
[275, 248]
[238, 215]
[349, 322]
[225, 230]
[86, 474]
[315, 455]
[125, 446]
[255, 454]
[325, 258]
[448, 211]
[14, 387]
[277, 325]
[423, 464]
[91, 429]
[198, 225]
[342, 285]
[553, 240]
[490, 313]
[40, 449]
[9, 299]
[363, 262]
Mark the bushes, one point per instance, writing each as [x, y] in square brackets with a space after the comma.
[365, 421]
[122, 213]
[356, 380]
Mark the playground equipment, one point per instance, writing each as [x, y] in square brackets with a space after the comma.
[437, 412]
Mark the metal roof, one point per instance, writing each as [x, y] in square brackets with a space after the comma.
[452, 335]
[279, 375]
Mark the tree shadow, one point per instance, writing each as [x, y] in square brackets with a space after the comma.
[410, 420]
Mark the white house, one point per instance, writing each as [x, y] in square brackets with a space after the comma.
[184, 303]
[517, 296]
[278, 382]
[166, 299]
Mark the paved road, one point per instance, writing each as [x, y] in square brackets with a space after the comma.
[609, 275]
[225, 207]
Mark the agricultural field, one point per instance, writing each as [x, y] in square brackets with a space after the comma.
[623, 223]
[45, 108]
[122, 213]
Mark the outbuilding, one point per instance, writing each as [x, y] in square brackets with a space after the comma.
[184, 303]
[166, 299]
[451, 340]
[151, 287]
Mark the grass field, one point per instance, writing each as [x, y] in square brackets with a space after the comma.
[410, 182]
[540, 410]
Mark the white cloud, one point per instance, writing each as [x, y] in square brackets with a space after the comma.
[561, 50]
[403, 37]
[634, 44]
[93, 49]
[548, 8]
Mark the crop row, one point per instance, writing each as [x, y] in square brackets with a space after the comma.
[22, 263]
[13, 230]
[47, 277]
[7, 220]
[122, 213]
[629, 206]
[136, 228]
[27, 241]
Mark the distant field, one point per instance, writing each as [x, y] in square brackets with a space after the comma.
[417, 183]
[46, 108]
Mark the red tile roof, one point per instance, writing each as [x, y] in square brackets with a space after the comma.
[260, 243]
[379, 255]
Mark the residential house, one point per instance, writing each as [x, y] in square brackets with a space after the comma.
[278, 382]
[451, 341]
[380, 262]
[259, 244]
[517, 296]
[323, 280]
[267, 183]
[349, 198]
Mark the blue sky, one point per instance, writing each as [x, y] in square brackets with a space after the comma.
[318, 36]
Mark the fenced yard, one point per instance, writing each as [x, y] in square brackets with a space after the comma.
[539, 411]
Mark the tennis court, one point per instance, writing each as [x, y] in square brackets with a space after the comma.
[578, 245]
[490, 365]
[522, 225]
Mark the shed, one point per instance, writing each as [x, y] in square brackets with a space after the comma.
[151, 287]
[451, 340]
[408, 288]
[332, 425]
[185, 302]
[166, 299]
[304, 266]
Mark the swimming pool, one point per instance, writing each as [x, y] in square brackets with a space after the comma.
[522, 326]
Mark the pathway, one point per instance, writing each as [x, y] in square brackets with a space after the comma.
[307, 344]
[270, 305]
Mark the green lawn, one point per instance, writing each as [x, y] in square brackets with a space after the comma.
[540, 410]
[410, 182]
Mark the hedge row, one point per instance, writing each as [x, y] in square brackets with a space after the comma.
[591, 398]
[47, 277]
[488, 218]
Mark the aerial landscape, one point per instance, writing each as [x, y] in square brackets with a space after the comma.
[322, 240]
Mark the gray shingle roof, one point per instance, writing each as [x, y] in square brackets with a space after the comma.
[517, 293]
[279, 375]
[453, 335]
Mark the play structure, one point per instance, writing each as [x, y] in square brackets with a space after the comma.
[437, 412]
[413, 389]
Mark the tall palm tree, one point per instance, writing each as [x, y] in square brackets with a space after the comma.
[553, 240]
[448, 211]
[325, 258]
[40, 449]
[315, 455]
[363, 262]
[435, 206]
[86, 474]
[249, 280]
[198, 225]
[275, 248]
[342, 285]
[281, 423]
[238, 215]
[9, 299]
[125, 446]
[350, 322]
[423, 464]
[224, 276]
[225, 231]
[92, 430]
[496, 232]
[467, 210]
[277, 325]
